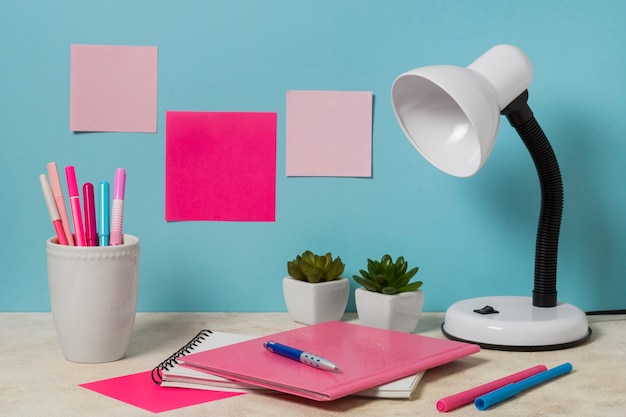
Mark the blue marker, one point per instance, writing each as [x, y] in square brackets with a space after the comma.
[300, 356]
[104, 213]
[511, 390]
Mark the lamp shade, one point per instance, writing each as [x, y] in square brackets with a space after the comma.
[451, 114]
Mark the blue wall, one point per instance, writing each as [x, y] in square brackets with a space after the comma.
[470, 237]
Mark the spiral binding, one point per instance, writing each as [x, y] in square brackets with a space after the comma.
[157, 372]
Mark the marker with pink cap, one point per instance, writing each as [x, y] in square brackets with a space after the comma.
[117, 207]
[57, 191]
[89, 207]
[469, 396]
[52, 210]
[77, 216]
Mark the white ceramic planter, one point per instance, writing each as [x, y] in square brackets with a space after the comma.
[316, 303]
[399, 312]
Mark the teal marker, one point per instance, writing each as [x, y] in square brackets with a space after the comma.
[105, 214]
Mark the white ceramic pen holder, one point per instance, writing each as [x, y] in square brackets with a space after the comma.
[93, 295]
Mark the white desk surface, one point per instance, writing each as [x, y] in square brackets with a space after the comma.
[37, 381]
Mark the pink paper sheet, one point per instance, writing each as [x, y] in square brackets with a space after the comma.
[329, 133]
[113, 88]
[139, 390]
[220, 166]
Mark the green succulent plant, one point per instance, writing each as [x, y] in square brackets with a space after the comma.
[314, 268]
[388, 277]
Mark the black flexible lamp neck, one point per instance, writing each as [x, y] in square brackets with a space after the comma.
[546, 252]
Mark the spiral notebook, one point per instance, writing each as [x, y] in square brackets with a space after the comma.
[367, 357]
[170, 373]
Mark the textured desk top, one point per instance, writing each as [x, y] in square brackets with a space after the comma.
[37, 380]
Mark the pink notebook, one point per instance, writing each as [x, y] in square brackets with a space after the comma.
[366, 357]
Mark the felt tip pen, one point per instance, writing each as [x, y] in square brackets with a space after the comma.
[57, 191]
[104, 213]
[52, 210]
[117, 207]
[77, 217]
[301, 356]
[89, 205]
[457, 400]
[511, 390]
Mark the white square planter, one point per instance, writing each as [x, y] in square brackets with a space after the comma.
[316, 303]
[399, 312]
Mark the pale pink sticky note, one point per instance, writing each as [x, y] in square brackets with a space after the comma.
[329, 133]
[113, 88]
[220, 166]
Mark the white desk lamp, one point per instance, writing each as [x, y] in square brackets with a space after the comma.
[451, 115]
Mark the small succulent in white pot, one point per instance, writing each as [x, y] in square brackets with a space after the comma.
[388, 299]
[314, 291]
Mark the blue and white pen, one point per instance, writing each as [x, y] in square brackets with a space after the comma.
[300, 356]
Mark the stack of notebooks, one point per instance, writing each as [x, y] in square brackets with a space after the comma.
[372, 362]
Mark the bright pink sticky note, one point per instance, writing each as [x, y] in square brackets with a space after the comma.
[220, 166]
[113, 88]
[329, 133]
[139, 390]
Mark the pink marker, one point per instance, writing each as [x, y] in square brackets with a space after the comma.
[57, 191]
[466, 397]
[52, 209]
[89, 205]
[77, 217]
[117, 207]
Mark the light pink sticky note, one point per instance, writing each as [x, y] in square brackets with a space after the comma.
[329, 133]
[113, 88]
[139, 390]
[220, 166]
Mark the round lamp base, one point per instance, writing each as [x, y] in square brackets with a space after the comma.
[513, 323]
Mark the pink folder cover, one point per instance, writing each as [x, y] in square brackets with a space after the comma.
[366, 357]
